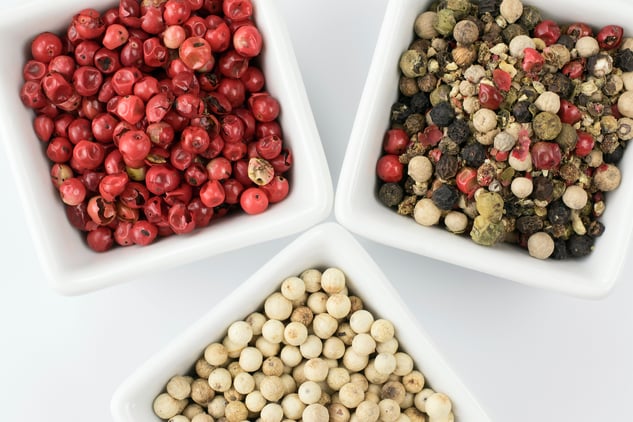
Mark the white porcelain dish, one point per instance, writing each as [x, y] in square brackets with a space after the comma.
[70, 266]
[323, 246]
[358, 208]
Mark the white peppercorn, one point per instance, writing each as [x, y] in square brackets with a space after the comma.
[373, 376]
[424, 25]
[250, 359]
[395, 391]
[575, 197]
[273, 331]
[595, 158]
[625, 104]
[295, 333]
[315, 413]
[389, 410]
[290, 356]
[353, 361]
[382, 330]
[272, 388]
[332, 280]
[312, 347]
[385, 363]
[389, 346]
[203, 368]
[266, 347]
[413, 381]
[438, 406]
[302, 314]
[324, 325]
[607, 177]
[220, 380]
[474, 73]
[233, 395]
[456, 222]
[240, 333]
[232, 349]
[404, 364]
[192, 410]
[202, 417]
[361, 320]
[518, 44]
[290, 385]
[368, 411]
[333, 348]
[312, 279]
[292, 288]
[216, 354]
[426, 213]
[407, 402]
[338, 413]
[511, 10]
[217, 406]
[471, 105]
[235, 411]
[165, 406]
[201, 392]
[337, 377]
[522, 187]
[484, 120]
[338, 305]
[292, 406]
[504, 141]
[272, 412]
[256, 320]
[309, 392]
[277, 306]
[255, 401]
[179, 387]
[316, 302]
[351, 395]
[420, 169]
[364, 344]
[548, 101]
[316, 369]
[273, 366]
[179, 418]
[587, 46]
[540, 245]
[244, 383]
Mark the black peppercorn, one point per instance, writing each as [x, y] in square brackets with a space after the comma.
[445, 197]
[390, 194]
[560, 250]
[459, 131]
[624, 60]
[613, 157]
[517, 208]
[420, 102]
[558, 212]
[512, 31]
[414, 123]
[543, 188]
[579, 246]
[447, 167]
[530, 17]
[559, 84]
[529, 224]
[523, 111]
[474, 154]
[488, 6]
[567, 41]
[442, 114]
[595, 229]
[399, 112]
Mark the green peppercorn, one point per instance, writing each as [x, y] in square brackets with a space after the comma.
[487, 233]
[567, 137]
[390, 194]
[511, 31]
[407, 205]
[547, 126]
[445, 22]
[490, 205]
[460, 8]
[530, 17]
[440, 94]
[413, 63]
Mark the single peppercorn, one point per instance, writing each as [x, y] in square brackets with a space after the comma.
[530, 17]
[624, 60]
[419, 102]
[442, 114]
[580, 245]
[523, 111]
[447, 166]
[390, 194]
[414, 123]
[399, 112]
[613, 157]
[488, 6]
[529, 224]
[474, 154]
[512, 31]
[566, 41]
[543, 188]
[560, 250]
[459, 131]
[558, 212]
[445, 197]
[559, 84]
[595, 228]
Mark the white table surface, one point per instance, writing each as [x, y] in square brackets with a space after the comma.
[526, 354]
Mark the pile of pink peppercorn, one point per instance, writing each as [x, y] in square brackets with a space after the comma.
[509, 127]
[156, 119]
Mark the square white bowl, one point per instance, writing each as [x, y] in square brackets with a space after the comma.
[326, 245]
[357, 206]
[70, 265]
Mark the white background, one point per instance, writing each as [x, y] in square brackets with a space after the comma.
[526, 354]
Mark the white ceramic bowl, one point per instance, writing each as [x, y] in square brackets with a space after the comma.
[71, 267]
[357, 206]
[326, 245]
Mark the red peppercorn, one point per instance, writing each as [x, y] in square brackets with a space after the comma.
[546, 155]
[269, 147]
[579, 30]
[180, 219]
[152, 21]
[144, 232]
[431, 136]
[254, 201]
[176, 12]
[277, 189]
[43, 126]
[584, 143]
[195, 52]
[533, 61]
[502, 79]
[180, 158]
[101, 211]
[196, 174]
[46, 46]
[232, 64]
[157, 108]
[173, 36]
[123, 233]
[548, 31]
[31, 95]
[160, 134]
[282, 162]
[233, 90]
[161, 178]
[200, 213]
[134, 146]
[34, 70]
[490, 97]
[88, 155]
[610, 37]
[155, 54]
[232, 128]
[72, 191]
[100, 239]
[466, 181]
[395, 141]
[88, 24]
[247, 41]
[130, 108]
[232, 191]
[264, 107]
[212, 193]
[218, 34]
[389, 168]
[115, 36]
[112, 185]
[568, 112]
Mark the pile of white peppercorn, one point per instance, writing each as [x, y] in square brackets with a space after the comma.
[312, 353]
[509, 127]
